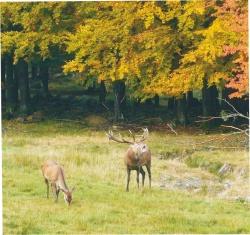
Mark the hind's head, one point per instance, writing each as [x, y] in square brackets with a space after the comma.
[68, 196]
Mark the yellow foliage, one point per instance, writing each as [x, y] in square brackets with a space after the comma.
[216, 77]
[73, 66]
[165, 46]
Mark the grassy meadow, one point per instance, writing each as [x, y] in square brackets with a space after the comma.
[100, 204]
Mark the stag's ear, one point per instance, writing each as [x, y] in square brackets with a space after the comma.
[73, 189]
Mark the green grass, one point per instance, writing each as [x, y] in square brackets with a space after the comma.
[100, 203]
[200, 161]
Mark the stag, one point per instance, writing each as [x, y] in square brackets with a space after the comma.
[137, 155]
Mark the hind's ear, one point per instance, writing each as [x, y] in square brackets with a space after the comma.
[73, 189]
[63, 190]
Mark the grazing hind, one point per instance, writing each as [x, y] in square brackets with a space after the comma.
[53, 174]
[137, 156]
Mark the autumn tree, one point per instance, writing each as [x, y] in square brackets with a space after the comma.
[7, 68]
[32, 33]
[167, 36]
[101, 46]
[143, 49]
[234, 15]
[212, 55]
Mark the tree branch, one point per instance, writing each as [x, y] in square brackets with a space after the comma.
[236, 128]
[239, 114]
[171, 128]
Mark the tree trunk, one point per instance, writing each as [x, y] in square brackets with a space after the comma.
[33, 71]
[102, 92]
[3, 88]
[205, 100]
[171, 103]
[156, 100]
[190, 99]
[135, 106]
[181, 110]
[15, 73]
[23, 82]
[119, 99]
[210, 102]
[215, 105]
[11, 86]
[44, 76]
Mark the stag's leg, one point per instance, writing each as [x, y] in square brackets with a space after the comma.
[149, 174]
[128, 179]
[137, 176]
[47, 183]
[143, 175]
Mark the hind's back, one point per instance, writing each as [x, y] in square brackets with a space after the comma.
[51, 170]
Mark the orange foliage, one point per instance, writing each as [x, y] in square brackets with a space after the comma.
[235, 14]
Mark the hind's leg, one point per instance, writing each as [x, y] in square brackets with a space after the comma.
[47, 183]
[54, 191]
[57, 192]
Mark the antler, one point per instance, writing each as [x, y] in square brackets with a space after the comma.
[111, 136]
[133, 135]
[144, 135]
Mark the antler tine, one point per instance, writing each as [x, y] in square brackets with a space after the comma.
[144, 135]
[111, 136]
[145, 131]
[133, 135]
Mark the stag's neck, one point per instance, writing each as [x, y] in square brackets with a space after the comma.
[139, 148]
[139, 145]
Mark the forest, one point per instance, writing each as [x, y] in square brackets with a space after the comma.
[190, 53]
[72, 71]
